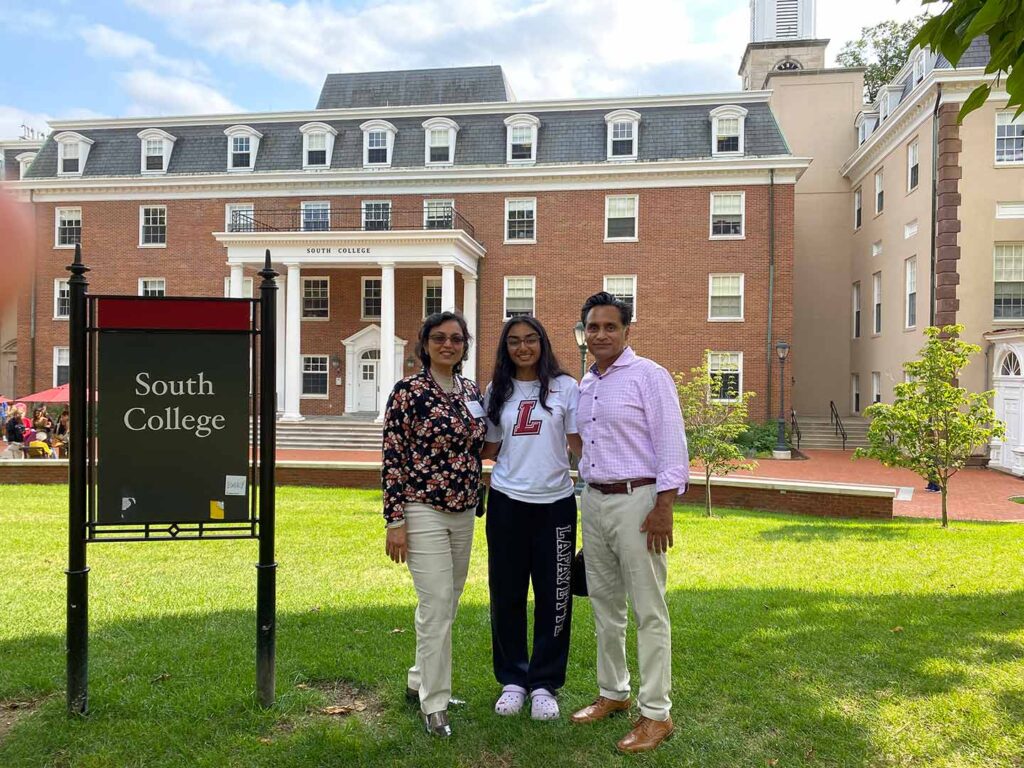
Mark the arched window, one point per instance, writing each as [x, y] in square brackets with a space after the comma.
[788, 65]
[1010, 366]
[371, 354]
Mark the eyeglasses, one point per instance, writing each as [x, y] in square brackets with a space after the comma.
[514, 342]
[439, 339]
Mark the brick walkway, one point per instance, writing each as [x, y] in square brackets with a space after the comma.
[975, 494]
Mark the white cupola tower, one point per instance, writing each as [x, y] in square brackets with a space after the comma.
[782, 39]
[781, 20]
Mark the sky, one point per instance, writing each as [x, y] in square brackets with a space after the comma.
[68, 59]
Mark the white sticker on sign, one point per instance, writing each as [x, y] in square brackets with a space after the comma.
[234, 485]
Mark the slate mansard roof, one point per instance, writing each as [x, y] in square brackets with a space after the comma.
[458, 85]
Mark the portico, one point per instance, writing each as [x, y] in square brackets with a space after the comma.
[373, 350]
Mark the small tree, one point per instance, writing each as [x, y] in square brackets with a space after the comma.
[712, 424]
[882, 50]
[934, 424]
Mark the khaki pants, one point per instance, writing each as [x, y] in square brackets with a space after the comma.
[439, 547]
[619, 565]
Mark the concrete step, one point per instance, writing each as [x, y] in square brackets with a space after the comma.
[330, 434]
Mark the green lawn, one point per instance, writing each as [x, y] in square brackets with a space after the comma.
[796, 641]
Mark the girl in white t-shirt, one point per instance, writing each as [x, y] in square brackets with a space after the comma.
[531, 516]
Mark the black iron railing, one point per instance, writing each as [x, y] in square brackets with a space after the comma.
[794, 429]
[833, 418]
[370, 219]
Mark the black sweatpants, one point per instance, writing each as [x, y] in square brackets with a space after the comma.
[530, 542]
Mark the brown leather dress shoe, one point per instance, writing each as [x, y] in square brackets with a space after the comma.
[646, 735]
[599, 710]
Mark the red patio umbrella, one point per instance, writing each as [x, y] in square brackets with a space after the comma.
[56, 395]
[5, 399]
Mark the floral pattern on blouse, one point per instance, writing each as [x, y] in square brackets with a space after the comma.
[432, 446]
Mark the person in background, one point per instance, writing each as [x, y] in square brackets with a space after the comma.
[59, 436]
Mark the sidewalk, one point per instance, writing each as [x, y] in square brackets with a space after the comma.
[975, 494]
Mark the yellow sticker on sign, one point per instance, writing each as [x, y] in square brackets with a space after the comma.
[216, 510]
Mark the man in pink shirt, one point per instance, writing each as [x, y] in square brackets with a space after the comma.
[635, 463]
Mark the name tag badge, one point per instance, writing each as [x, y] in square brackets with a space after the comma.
[475, 409]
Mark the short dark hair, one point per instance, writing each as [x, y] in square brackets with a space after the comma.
[605, 299]
[430, 324]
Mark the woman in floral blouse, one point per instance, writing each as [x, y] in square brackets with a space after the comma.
[433, 435]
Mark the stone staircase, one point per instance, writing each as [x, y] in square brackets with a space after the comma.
[330, 433]
[817, 433]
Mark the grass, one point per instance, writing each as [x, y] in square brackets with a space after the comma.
[796, 642]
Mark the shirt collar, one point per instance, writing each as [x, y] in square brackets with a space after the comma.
[628, 357]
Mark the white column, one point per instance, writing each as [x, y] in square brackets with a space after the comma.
[386, 370]
[469, 310]
[447, 287]
[235, 284]
[292, 345]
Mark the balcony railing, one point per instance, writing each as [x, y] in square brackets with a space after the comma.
[349, 220]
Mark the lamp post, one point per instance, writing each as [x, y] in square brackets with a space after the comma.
[781, 450]
[581, 341]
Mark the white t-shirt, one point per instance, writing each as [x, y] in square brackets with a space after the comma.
[533, 465]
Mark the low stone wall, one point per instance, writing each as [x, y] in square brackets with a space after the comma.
[794, 496]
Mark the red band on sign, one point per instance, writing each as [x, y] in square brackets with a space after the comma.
[146, 313]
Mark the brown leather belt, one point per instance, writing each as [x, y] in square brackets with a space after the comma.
[624, 486]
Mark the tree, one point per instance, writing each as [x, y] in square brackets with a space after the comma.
[883, 50]
[934, 424]
[963, 21]
[712, 425]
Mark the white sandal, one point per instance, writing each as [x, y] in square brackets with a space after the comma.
[511, 700]
[543, 705]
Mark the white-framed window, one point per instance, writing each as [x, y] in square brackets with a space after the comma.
[243, 147]
[370, 305]
[439, 135]
[314, 375]
[855, 392]
[620, 217]
[248, 288]
[1009, 138]
[378, 143]
[67, 227]
[910, 287]
[910, 229]
[726, 369]
[317, 145]
[239, 217]
[858, 208]
[153, 226]
[24, 161]
[727, 215]
[156, 146]
[61, 365]
[876, 387]
[855, 302]
[727, 130]
[431, 295]
[623, 287]
[519, 296]
[521, 220]
[61, 299]
[72, 153]
[1008, 273]
[316, 292]
[521, 139]
[152, 286]
[316, 215]
[1010, 365]
[913, 165]
[623, 130]
[876, 248]
[876, 302]
[725, 297]
[1010, 210]
[879, 192]
[376, 215]
[438, 214]
[918, 70]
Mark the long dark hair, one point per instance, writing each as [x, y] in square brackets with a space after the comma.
[548, 368]
[430, 324]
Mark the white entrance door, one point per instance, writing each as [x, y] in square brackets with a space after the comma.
[367, 380]
[1011, 417]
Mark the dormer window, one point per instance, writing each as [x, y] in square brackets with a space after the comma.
[521, 139]
[24, 160]
[623, 130]
[156, 150]
[378, 143]
[317, 145]
[865, 124]
[919, 68]
[727, 129]
[439, 138]
[243, 146]
[72, 153]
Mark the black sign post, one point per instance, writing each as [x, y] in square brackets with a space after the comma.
[172, 451]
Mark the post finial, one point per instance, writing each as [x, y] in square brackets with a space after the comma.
[268, 273]
[76, 268]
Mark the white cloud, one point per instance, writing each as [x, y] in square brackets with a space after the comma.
[104, 42]
[152, 93]
[838, 24]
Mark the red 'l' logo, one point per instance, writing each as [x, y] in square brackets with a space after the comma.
[524, 425]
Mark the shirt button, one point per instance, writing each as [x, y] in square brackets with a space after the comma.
[592, 465]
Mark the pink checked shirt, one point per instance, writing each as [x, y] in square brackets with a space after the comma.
[631, 425]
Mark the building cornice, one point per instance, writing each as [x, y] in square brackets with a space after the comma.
[433, 237]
